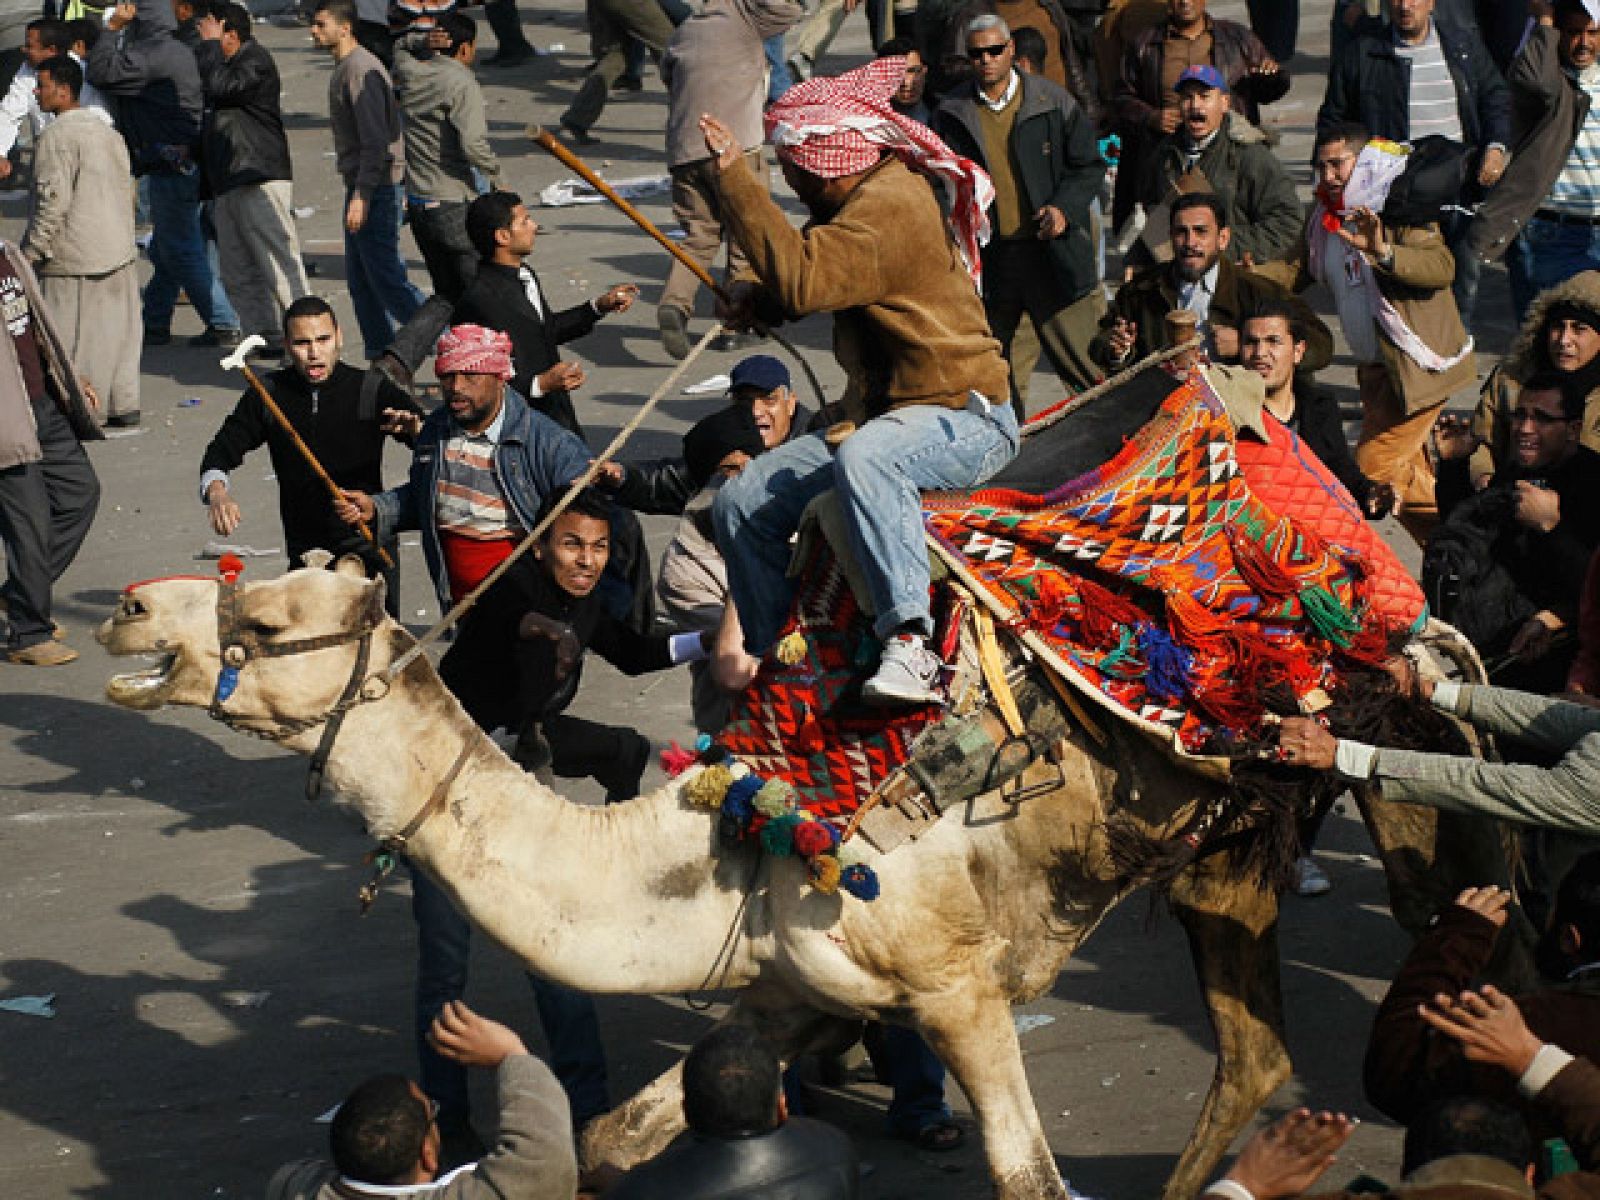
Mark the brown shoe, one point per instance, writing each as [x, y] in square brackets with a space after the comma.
[43, 654]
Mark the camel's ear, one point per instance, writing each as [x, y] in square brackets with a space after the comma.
[349, 564]
[316, 559]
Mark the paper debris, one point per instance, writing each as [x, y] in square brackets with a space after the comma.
[218, 549]
[31, 1006]
[714, 386]
[245, 999]
[1028, 1022]
[567, 192]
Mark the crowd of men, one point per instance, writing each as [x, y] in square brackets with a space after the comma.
[1004, 178]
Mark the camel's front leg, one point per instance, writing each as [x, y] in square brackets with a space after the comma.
[975, 1038]
[1233, 937]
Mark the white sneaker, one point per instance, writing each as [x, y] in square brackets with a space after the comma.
[1310, 879]
[908, 673]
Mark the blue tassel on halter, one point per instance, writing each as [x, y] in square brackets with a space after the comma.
[860, 880]
[1167, 664]
[227, 681]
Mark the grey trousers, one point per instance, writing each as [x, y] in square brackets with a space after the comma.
[698, 206]
[46, 509]
[260, 253]
[99, 318]
[611, 24]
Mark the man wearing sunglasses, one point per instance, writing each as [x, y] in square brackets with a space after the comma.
[1543, 513]
[1039, 149]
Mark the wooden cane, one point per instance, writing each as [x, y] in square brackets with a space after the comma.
[236, 362]
[544, 139]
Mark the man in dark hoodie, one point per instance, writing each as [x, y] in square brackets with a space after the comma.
[246, 154]
[154, 81]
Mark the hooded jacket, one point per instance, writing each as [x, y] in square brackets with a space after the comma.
[446, 126]
[242, 140]
[155, 84]
[1264, 211]
[715, 64]
[1548, 110]
[1527, 358]
[1053, 160]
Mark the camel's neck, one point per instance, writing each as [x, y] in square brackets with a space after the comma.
[628, 898]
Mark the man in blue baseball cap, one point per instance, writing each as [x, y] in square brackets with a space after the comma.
[761, 383]
[1217, 151]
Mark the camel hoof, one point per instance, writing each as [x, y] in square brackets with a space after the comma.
[1039, 1180]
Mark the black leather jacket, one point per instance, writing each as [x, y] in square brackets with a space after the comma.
[242, 140]
[800, 1160]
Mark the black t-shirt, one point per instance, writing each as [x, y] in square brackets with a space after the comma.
[19, 324]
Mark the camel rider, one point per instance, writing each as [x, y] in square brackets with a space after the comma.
[565, 618]
[322, 398]
[485, 466]
[927, 386]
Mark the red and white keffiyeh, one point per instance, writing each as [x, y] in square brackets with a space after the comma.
[473, 350]
[836, 126]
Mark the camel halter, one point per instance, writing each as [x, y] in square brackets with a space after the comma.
[240, 645]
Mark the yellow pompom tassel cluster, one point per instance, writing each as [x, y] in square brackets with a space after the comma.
[707, 789]
[790, 649]
[825, 871]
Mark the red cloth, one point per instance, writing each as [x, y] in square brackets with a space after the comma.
[1286, 476]
[833, 127]
[468, 561]
[474, 350]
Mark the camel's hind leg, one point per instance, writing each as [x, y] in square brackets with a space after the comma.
[973, 1035]
[1233, 937]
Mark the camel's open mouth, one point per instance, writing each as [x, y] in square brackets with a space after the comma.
[144, 689]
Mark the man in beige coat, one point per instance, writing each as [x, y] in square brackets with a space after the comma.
[1391, 288]
[80, 240]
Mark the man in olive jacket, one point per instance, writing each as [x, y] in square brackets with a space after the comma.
[1039, 150]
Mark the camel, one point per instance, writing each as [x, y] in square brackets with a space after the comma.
[981, 913]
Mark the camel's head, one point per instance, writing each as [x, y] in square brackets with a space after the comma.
[177, 622]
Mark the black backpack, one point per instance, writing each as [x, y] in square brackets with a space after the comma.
[1461, 579]
[1434, 179]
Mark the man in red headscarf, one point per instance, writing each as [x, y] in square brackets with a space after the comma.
[927, 387]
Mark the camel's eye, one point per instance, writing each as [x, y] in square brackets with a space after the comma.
[131, 607]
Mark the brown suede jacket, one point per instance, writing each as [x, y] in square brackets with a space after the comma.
[1408, 1064]
[908, 326]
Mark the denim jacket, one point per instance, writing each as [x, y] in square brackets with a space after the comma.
[532, 460]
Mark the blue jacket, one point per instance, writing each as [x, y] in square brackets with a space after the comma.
[535, 458]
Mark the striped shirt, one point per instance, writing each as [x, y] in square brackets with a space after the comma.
[1432, 107]
[1577, 188]
[470, 502]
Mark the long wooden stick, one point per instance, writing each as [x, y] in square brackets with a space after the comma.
[334, 490]
[546, 141]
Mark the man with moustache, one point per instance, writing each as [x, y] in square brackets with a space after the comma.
[322, 398]
[1391, 288]
[1201, 280]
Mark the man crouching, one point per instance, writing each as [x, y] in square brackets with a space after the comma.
[927, 385]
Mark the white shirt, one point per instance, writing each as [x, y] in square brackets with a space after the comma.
[1011, 94]
[21, 103]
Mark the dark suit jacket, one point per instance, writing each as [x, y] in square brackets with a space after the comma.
[496, 300]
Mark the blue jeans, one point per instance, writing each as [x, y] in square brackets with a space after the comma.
[916, 1077]
[178, 252]
[382, 295]
[880, 472]
[779, 80]
[1546, 253]
[444, 943]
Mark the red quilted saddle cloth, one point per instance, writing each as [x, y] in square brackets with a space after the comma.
[1289, 478]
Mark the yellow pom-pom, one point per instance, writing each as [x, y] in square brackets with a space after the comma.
[825, 872]
[707, 789]
[775, 798]
[791, 649]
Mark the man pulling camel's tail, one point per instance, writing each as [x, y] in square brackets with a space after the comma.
[926, 381]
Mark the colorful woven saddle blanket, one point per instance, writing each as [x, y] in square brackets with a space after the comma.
[1162, 582]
